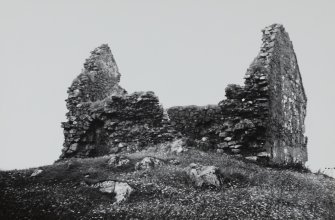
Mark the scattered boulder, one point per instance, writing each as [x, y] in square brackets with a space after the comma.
[148, 163]
[118, 161]
[36, 172]
[178, 146]
[204, 175]
[122, 190]
[105, 186]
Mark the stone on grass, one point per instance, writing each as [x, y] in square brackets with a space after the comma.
[204, 175]
[122, 190]
[177, 146]
[36, 172]
[148, 163]
[118, 161]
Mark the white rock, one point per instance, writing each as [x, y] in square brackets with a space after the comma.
[122, 191]
[148, 163]
[121, 145]
[203, 175]
[106, 186]
[118, 161]
[76, 92]
[177, 146]
[228, 139]
[73, 147]
[251, 158]
[235, 146]
[36, 172]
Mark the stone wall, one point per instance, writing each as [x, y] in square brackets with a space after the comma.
[287, 99]
[196, 121]
[103, 119]
[236, 125]
[263, 120]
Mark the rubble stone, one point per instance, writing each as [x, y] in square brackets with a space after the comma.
[204, 175]
[148, 163]
[36, 172]
[122, 190]
[118, 161]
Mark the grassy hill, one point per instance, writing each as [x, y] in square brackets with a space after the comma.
[247, 191]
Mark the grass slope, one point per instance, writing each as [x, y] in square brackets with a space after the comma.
[249, 191]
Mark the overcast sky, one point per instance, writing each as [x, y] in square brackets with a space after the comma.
[186, 51]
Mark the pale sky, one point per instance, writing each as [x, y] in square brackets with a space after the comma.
[186, 51]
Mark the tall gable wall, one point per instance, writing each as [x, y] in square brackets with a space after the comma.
[286, 140]
[263, 118]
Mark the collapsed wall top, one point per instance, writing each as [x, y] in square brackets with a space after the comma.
[103, 119]
[98, 79]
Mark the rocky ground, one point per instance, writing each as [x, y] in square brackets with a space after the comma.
[165, 182]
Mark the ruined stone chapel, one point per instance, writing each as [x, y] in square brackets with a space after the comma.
[260, 120]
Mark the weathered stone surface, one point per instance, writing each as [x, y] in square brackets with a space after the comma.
[204, 175]
[36, 172]
[122, 190]
[148, 163]
[175, 146]
[266, 114]
[103, 119]
[287, 106]
[118, 161]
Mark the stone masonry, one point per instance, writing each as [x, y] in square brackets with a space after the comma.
[263, 120]
[104, 119]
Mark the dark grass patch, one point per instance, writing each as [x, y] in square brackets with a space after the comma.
[248, 191]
